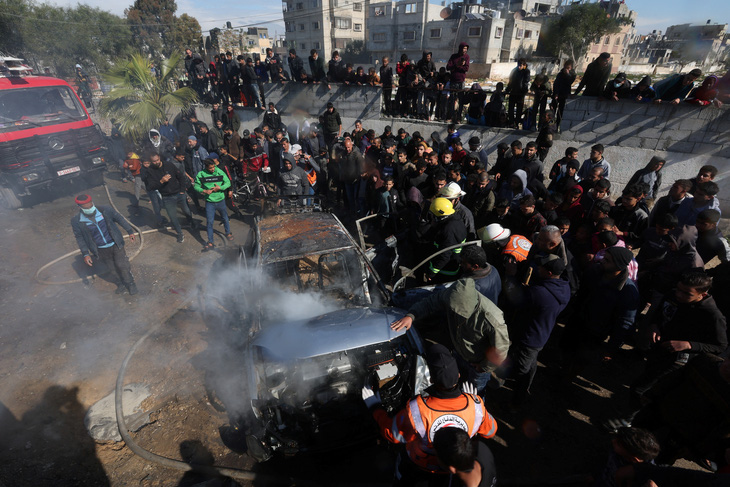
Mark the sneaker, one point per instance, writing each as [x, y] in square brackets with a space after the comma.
[180, 238]
[132, 289]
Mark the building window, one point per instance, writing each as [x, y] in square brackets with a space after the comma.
[315, 25]
[301, 26]
[286, 7]
[315, 3]
[409, 35]
[357, 28]
[618, 41]
[435, 33]
[300, 5]
[519, 33]
[317, 45]
[410, 8]
[379, 36]
[607, 41]
[474, 31]
[343, 23]
[528, 34]
[378, 11]
[303, 46]
[498, 32]
[290, 27]
[357, 7]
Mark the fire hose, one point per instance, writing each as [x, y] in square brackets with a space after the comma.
[209, 470]
[78, 252]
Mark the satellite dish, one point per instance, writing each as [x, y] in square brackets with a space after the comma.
[519, 15]
[446, 13]
[560, 10]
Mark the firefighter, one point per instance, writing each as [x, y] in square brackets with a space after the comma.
[445, 405]
[445, 231]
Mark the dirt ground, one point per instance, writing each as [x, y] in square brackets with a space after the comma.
[61, 347]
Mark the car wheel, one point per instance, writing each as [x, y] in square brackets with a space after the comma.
[9, 200]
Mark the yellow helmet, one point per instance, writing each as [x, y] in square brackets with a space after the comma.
[442, 207]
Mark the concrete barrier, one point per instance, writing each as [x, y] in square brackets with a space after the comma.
[687, 136]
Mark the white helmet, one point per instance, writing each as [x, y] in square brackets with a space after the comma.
[78, 66]
[493, 233]
[451, 191]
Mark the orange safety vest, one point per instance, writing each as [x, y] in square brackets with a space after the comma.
[427, 422]
[311, 177]
[518, 247]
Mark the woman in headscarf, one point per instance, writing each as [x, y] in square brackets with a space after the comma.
[706, 93]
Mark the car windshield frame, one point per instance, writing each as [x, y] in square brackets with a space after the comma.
[15, 105]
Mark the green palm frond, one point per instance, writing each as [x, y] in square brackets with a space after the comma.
[139, 100]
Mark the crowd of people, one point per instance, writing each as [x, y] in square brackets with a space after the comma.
[417, 89]
[617, 266]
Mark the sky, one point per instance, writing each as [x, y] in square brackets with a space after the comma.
[652, 14]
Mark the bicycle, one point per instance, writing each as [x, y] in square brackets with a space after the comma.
[248, 189]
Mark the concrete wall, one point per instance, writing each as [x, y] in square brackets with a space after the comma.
[688, 137]
[351, 101]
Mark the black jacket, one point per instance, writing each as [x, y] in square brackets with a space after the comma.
[519, 82]
[152, 178]
[701, 324]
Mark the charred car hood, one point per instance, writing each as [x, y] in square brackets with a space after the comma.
[337, 331]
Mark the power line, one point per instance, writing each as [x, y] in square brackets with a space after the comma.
[258, 22]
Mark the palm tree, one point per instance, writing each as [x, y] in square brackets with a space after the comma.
[139, 100]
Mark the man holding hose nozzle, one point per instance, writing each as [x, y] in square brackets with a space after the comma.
[97, 234]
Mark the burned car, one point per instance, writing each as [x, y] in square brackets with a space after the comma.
[304, 365]
[305, 379]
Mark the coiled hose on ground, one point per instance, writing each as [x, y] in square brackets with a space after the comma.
[78, 252]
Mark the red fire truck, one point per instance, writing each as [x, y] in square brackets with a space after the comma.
[47, 139]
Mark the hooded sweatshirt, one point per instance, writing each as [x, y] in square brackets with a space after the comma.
[459, 64]
[476, 325]
[514, 197]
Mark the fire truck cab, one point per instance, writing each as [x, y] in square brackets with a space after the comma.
[47, 138]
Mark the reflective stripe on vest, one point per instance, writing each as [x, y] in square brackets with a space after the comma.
[311, 177]
[427, 422]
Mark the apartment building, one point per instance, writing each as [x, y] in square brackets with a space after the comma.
[325, 25]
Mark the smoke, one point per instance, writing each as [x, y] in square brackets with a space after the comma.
[236, 303]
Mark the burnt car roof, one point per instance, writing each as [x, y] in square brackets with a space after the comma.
[336, 331]
[293, 235]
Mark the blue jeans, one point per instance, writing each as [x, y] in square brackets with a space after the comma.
[470, 374]
[171, 203]
[210, 209]
[156, 201]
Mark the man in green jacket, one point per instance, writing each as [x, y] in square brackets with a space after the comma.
[476, 328]
[212, 182]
